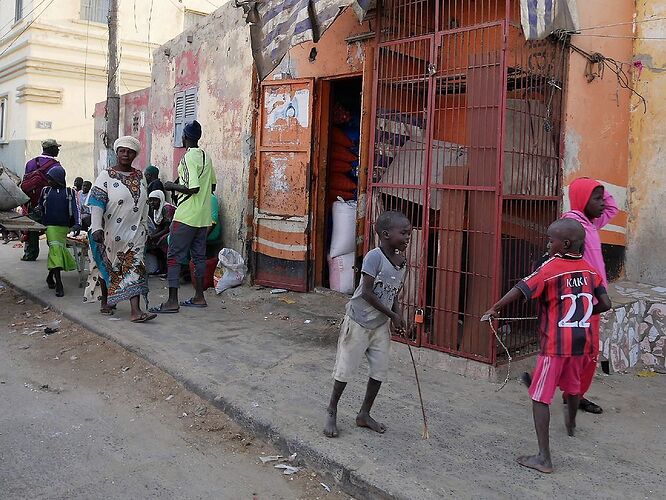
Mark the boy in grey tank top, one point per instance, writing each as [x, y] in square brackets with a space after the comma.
[370, 312]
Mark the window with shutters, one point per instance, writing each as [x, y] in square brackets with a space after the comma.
[96, 11]
[3, 118]
[18, 11]
[184, 111]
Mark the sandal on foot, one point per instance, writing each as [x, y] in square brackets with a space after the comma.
[589, 407]
[160, 310]
[191, 303]
[107, 311]
[144, 318]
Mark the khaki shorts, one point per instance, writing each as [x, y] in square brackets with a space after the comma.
[354, 342]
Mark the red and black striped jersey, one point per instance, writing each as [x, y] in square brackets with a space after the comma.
[567, 288]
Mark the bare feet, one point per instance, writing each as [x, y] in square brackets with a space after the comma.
[331, 427]
[536, 462]
[365, 420]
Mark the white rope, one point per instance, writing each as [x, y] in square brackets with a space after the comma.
[508, 354]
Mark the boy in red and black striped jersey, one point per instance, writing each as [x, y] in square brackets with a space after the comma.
[565, 286]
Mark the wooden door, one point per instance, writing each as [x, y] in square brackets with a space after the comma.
[282, 213]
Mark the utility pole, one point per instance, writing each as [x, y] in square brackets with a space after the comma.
[112, 96]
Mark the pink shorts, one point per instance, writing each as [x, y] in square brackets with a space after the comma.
[552, 372]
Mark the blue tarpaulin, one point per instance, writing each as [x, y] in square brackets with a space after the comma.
[540, 18]
[276, 26]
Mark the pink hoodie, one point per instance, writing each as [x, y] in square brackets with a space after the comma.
[580, 191]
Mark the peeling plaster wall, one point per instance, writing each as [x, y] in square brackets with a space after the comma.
[597, 117]
[646, 256]
[219, 62]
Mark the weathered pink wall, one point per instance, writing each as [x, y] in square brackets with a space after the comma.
[135, 106]
[219, 62]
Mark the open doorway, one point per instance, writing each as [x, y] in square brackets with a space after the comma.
[340, 135]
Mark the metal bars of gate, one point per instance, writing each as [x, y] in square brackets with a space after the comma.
[465, 131]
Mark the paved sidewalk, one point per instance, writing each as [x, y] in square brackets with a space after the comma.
[253, 355]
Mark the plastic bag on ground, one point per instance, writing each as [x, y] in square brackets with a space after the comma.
[230, 271]
[11, 195]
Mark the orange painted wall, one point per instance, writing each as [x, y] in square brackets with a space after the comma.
[597, 114]
[335, 57]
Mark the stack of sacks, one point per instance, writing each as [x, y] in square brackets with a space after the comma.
[342, 252]
[343, 169]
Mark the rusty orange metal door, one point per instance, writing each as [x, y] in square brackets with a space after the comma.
[282, 201]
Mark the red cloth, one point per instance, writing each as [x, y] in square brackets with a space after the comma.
[580, 191]
[552, 372]
[566, 287]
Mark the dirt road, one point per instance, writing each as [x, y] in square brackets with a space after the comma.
[83, 418]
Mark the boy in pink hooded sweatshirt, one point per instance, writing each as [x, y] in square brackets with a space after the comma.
[593, 207]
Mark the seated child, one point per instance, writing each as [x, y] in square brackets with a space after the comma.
[160, 215]
[366, 326]
[59, 209]
[84, 209]
[565, 286]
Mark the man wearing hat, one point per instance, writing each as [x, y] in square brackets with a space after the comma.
[34, 180]
[191, 221]
[152, 175]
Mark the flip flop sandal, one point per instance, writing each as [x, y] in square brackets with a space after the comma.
[109, 311]
[144, 318]
[590, 407]
[190, 303]
[159, 310]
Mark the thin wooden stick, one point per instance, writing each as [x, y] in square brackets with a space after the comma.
[424, 434]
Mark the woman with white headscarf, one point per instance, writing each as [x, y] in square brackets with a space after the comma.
[119, 216]
[160, 215]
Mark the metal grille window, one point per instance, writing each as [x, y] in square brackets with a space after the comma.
[185, 110]
[96, 11]
[466, 144]
[18, 12]
[3, 118]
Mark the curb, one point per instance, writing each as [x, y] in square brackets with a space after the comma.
[345, 477]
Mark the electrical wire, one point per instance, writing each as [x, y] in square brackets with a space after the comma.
[623, 23]
[613, 65]
[26, 28]
[13, 22]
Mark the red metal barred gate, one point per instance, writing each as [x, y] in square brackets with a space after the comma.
[466, 132]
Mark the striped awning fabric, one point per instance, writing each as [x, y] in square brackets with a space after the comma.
[278, 25]
[540, 18]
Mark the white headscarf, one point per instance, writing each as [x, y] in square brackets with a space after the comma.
[128, 142]
[157, 215]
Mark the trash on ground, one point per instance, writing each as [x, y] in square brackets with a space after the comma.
[26, 346]
[291, 458]
[230, 271]
[22, 301]
[30, 333]
[307, 321]
[124, 369]
[276, 291]
[287, 301]
[326, 487]
[270, 458]
[73, 358]
[255, 404]
[113, 319]
[200, 411]
[169, 397]
[288, 469]
[646, 373]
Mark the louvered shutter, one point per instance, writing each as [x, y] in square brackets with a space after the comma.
[178, 119]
